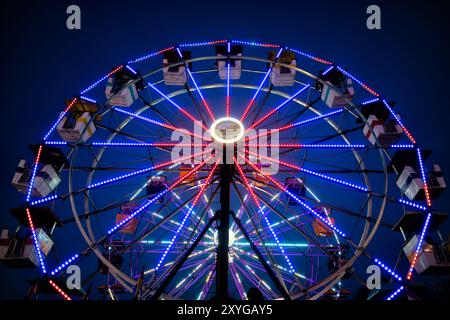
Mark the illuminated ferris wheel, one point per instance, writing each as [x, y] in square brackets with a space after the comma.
[314, 177]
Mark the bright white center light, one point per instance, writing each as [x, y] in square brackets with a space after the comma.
[231, 237]
[227, 130]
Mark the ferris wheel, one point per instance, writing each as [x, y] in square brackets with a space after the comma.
[291, 178]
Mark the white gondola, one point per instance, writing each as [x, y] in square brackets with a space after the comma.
[235, 69]
[339, 97]
[411, 183]
[16, 252]
[156, 185]
[282, 76]
[296, 186]
[235, 64]
[387, 133]
[46, 180]
[174, 76]
[431, 259]
[123, 96]
[76, 127]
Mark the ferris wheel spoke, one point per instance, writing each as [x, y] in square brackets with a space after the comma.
[301, 231]
[202, 98]
[252, 101]
[158, 123]
[199, 270]
[208, 282]
[256, 280]
[310, 172]
[237, 281]
[296, 199]
[275, 275]
[157, 196]
[308, 146]
[297, 124]
[274, 110]
[262, 213]
[140, 172]
[253, 263]
[297, 115]
[182, 110]
[186, 216]
[158, 112]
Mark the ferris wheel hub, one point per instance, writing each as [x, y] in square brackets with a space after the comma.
[227, 130]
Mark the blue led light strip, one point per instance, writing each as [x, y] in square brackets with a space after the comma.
[64, 264]
[261, 211]
[43, 200]
[310, 56]
[148, 56]
[310, 172]
[395, 293]
[413, 204]
[358, 81]
[401, 146]
[389, 270]
[299, 123]
[101, 80]
[33, 175]
[270, 113]
[424, 178]
[303, 204]
[142, 171]
[88, 99]
[419, 246]
[37, 246]
[208, 109]
[310, 210]
[326, 115]
[252, 101]
[370, 101]
[186, 216]
[345, 183]
[156, 197]
[328, 70]
[405, 130]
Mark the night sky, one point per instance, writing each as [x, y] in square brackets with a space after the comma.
[43, 62]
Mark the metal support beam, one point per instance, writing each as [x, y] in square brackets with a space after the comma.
[269, 271]
[223, 216]
[182, 260]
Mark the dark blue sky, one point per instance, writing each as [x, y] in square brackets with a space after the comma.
[43, 62]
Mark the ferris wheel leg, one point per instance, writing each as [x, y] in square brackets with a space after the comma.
[182, 260]
[223, 219]
[282, 290]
